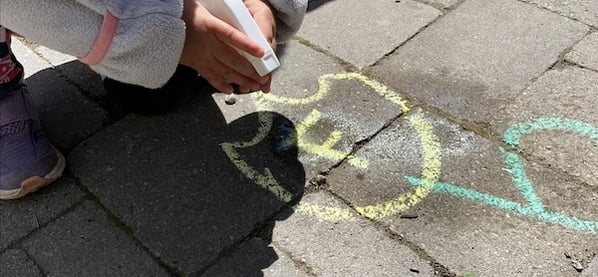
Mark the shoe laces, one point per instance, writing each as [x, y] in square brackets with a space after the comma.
[14, 129]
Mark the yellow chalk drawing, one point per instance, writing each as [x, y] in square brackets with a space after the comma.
[324, 149]
[325, 213]
[324, 88]
[265, 180]
[430, 175]
[429, 143]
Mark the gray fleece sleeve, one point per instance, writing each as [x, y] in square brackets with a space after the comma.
[146, 46]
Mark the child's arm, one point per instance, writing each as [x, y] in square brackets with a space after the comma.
[133, 41]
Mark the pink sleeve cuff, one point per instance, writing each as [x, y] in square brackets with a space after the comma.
[100, 49]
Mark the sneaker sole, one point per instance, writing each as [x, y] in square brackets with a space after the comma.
[34, 183]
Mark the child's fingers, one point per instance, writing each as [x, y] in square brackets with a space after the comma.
[221, 76]
[230, 35]
[234, 61]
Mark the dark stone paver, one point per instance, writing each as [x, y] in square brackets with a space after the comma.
[15, 262]
[18, 218]
[168, 179]
[66, 115]
[85, 243]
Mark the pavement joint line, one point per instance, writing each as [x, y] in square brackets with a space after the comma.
[392, 51]
[444, 12]
[255, 233]
[361, 143]
[570, 63]
[17, 242]
[344, 64]
[37, 265]
[555, 12]
[122, 226]
[303, 266]
[98, 100]
[561, 57]
[420, 252]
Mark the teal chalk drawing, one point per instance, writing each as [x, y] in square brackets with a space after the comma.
[534, 207]
[569, 222]
[517, 131]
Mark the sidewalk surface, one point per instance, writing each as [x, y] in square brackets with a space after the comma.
[401, 138]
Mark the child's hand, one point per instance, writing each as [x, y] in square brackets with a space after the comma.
[208, 50]
[264, 17]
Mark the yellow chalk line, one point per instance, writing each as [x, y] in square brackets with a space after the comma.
[324, 149]
[324, 88]
[265, 180]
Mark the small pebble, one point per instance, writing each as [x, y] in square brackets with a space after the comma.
[230, 99]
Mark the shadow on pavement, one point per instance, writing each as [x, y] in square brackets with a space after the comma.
[168, 182]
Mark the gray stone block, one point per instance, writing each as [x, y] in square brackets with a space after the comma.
[585, 53]
[19, 218]
[16, 263]
[362, 32]
[592, 269]
[85, 243]
[169, 179]
[560, 110]
[585, 11]
[255, 258]
[479, 56]
[489, 213]
[346, 247]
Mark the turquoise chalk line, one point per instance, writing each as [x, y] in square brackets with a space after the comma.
[517, 131]
[569, 222]
[534, 207]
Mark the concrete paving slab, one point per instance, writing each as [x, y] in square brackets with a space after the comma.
[489, 214]
[555, 120]
[86, 241]
[89, 82]
[251, 260]
[592, 269]
[170, 179]
[585, 11]
[343, 248]
[479, 56]
[332, 109]
[53, 57]
[31, 61]
[364, 31]
[15, 262]
[585, 53]
[19, 218]
[67, 116]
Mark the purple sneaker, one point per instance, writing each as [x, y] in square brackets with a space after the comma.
[27, 160]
